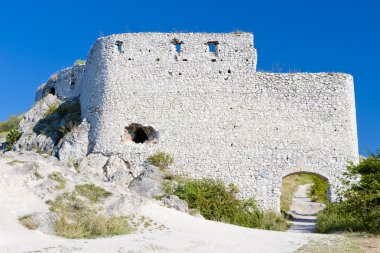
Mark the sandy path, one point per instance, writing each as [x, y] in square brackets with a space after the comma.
[184, 234]
[304, 211]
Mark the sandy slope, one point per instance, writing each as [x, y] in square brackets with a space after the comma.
[184, 234]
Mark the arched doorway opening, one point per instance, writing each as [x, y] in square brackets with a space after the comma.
[310, 186]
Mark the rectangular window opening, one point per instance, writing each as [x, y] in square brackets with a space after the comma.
[213, 47]
[119, 45]
[178, 47]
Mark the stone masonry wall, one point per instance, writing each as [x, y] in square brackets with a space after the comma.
[215, 114]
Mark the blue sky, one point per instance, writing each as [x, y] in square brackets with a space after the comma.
[38, 38]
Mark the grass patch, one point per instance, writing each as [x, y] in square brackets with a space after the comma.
[4, 134]
[317, 192]
[11, 123]
[58, 177]
[28, 222]
[80, 62]
[92, 192]
[77, 218]
[217, 202]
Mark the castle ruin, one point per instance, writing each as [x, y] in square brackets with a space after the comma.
[198, 97]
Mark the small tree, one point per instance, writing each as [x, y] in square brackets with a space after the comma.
[12, 137]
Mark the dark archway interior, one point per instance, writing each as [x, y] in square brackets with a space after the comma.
[139, 136]
[52, 91]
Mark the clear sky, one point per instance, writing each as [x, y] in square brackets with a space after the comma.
[38, 38]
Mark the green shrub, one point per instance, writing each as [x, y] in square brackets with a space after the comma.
[358, 208]
[217, 202]
[12, 138]
[11, 123]
[161, 160]
[92, 192]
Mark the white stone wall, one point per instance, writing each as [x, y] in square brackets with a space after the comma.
[215, 114]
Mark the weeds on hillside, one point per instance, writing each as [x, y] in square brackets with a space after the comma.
[28, 222]
[56, 176]
[78, 218]
[92, 192]
[11, 123]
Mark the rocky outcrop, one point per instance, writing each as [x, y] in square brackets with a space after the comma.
[29, 139]
[73, 147]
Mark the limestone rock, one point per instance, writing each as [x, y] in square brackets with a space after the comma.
[29, 139]
[74, 146]
[117, 170]
[92, 166]
[124, 205]
[175, 202]
[149, 183]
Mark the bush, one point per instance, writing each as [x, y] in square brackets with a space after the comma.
[358, 208]
[11, 123]
[217, 202]
[161, 160]
[12, 138]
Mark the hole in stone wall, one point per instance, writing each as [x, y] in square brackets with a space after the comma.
[140, 134]
[119, 45]
[72, 84]
[51, 91]
[229, 71]
[213, 60]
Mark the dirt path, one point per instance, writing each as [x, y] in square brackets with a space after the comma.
[303, 211]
